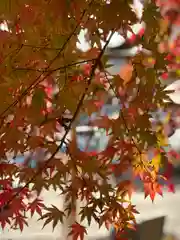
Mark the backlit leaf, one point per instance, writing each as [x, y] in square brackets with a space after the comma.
[78, 231]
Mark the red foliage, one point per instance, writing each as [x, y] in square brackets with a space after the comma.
[36, 206]
[165, 76]
[29, 77]
[78, 231]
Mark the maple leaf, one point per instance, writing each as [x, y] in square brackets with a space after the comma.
[5, 216]
[92, 153]
[77, 231]
[126, 73]
[36, 206]
[151, 188]
[53, 215]
[156, 162]
[171, 187]
[125, 187]
[5, 183]
[165, 76]
[17, 205]
[168, 171]
[20, 221]
[87, 69]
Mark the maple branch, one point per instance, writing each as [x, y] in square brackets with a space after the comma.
[43, 70]
[41, 47]
[63, 121]
[16, 51]
[94, 67]
[38, 79]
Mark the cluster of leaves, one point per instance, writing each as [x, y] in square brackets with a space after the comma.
[45, 78]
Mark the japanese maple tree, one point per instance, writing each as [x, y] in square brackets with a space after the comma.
[47, 83]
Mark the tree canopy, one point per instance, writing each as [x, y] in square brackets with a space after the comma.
[47, 84]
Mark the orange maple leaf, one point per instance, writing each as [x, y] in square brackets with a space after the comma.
[151, 188]
[126, 73]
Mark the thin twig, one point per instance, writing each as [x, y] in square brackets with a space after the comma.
[16, 51]
[44, 70]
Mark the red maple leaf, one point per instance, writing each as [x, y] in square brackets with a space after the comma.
[36, 206]
[165, 76]
[98, 104]
[151, 188]
[92, 153]
[20, 221]
[169, 57]
[5, 218]
[169, 171]
[132, 39]
[77, 231]
[87, 69]
[5, 183]
[171, 187]
[17, 205]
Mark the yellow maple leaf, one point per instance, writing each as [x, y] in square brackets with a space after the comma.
[156, 162]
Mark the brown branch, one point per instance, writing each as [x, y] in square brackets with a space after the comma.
[44, 70]
[16, 51]
[41, 47]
